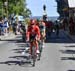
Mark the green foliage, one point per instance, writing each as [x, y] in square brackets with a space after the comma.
[15, 6]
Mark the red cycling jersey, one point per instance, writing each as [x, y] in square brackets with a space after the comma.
[33, 30]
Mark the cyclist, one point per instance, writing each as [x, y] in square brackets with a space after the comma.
[42, 27]
[33, 32]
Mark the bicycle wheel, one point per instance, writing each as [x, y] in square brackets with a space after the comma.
[33, 56]
[40, 49]
[40, 46]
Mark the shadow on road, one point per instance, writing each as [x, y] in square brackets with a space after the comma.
[67, 58]
[10, 40]
[68, 51]
[15, 62]
[71, 70]
[71, 46]
[20, 57]
[21, 60]
[20, 50]
[11, 62]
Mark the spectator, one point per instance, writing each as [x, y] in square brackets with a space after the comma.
[1, 26]
[57, 27]
[71, 25]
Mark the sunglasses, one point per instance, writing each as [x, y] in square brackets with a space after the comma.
[32, 24]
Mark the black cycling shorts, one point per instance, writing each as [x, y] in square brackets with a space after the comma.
[32, 37]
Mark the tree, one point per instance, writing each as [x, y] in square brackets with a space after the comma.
[18, 7]
[15, 6]
[27, 12]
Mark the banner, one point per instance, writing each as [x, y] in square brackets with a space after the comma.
[71, 3]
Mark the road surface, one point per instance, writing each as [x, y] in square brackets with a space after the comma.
[58, 55]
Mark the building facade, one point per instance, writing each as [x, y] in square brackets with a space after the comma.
[62, 8]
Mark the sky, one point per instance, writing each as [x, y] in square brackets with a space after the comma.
[36, 7]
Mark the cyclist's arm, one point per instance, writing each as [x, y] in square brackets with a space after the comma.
[44, 29]
[38, 33]
[28, 34]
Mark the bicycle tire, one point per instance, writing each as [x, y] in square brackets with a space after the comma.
[33, 56]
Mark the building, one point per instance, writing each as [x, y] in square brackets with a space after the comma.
[66, 10]
[62, 8]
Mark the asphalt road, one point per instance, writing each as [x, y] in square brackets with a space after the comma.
[58, 55]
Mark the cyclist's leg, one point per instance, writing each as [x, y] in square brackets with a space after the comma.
[30, 50]
[43, 39]
[35, 44]
[37, 47]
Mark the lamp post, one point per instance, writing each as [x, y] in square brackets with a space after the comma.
[44, 13]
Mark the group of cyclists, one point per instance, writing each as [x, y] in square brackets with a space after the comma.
[36, 34]
[36, 30]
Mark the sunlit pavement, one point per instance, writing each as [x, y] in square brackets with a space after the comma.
[7, 36]
[58, 55]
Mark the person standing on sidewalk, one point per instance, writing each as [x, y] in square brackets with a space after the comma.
[6, 26]
[13, 24]
[57, 27]
[1, 26]
[65, 23]
[71, 25]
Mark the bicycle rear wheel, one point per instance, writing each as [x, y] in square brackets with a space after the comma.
[40, 49]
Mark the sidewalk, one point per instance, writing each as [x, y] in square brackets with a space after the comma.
[72, 37]
[10, 35]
